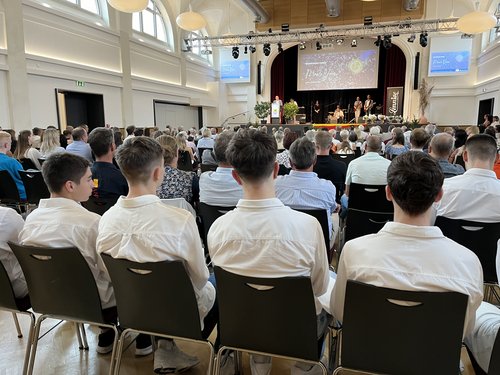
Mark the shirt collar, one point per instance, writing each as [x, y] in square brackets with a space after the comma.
[260, 203]
[58, 203]
[412, 230]
[481, 172]
[224, 170]
[301, 174]
[143, 200]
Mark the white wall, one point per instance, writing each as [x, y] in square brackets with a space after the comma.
[4, 102]
[175, 115]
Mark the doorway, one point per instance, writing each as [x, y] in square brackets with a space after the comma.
[485, 108]
[77, 108]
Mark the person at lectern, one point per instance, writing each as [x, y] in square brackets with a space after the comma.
[358, 104]
[368, 105]
[277, 100]
[338, 115]
[316, 113]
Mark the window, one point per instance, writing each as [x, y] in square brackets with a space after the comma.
[495, 32]
[91, 6]
[200, 48]
[150, 22]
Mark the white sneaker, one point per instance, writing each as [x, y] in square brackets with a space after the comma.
[168, 358]
[260, 364]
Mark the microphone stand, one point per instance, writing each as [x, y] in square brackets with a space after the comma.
[232, 117]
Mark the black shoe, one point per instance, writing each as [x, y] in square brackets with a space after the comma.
[143, 345]
[106, 340]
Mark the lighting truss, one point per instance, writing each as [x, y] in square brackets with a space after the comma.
[328, 34]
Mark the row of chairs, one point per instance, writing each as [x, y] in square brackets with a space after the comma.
[415, 340]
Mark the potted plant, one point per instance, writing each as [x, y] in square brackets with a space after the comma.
[425, 91]
[289, 111]
[262, 110]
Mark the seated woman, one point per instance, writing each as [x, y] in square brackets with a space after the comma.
[25, 151]
[397, 147]
[176, 183]
[50, 143]
[344, 147]
[185, 158]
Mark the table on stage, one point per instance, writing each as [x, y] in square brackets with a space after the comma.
[332, 126]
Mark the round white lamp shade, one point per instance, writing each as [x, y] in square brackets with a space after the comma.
[191, 21]
[476, 22]
[129, 6]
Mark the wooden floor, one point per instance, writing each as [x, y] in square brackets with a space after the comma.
[58, 352]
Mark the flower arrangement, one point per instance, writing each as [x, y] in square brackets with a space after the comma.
[365, 118]
[372, 117]
[381, 117]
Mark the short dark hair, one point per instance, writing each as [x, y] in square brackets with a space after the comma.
[130, 129]
[62, 167]
[289, 138]
[100, 141]
[481, 147]
[460, 137]
[138, 157]
[78, 133]
[419, 138]
[36, 131]
[138, 132]
[490, 130]
[302, 153]
[415, 180]
[220, 146]
[252, 154]
[323, 140]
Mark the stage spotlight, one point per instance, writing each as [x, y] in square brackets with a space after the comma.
[318, 46]
[236, 52]
[411, 39]
[285, 27]
[339, 41]
[354, 43]
[387, 43]
[368, 21]
[252, 49]
[423, 39]
[266, 49]
[280, 48]
[302, 46]
[378, 41]
[246, 50]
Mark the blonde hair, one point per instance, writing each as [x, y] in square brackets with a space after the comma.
[169, 146]
[50, 141]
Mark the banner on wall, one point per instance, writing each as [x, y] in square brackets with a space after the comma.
[394, 101]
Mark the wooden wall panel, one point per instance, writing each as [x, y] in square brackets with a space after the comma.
[299, 12]
[282, 12]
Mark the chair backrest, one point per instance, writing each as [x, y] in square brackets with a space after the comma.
[271, 315]
[60, 282]
[346, 158]
[481, 238]
[369, 198]
[180, 203]
[360, 223]
[209, 214]
[35, 186]
[27, 164]
[494, 367]
[208, 167]
[8, 188]
[184, 161]
[98, 205]
[381, 335]
[460, 160]
[322, 217]
[7, 296]
[201, 150]
[283, 170]
[155, 297]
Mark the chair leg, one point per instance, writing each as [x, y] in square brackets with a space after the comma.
[118, 354]
[29, 344]
[79, 336]
[84, 336]
[36, 336]
[211, 358]
[18, 328]
[218, 360]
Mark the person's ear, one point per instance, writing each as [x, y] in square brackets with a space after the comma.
[388, 193]
[69, 186]
[157, 173]
[465, 156]
[236, 177]
[276, 170]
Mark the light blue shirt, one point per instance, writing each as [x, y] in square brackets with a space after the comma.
[80, 148]
[219, 188]
[205, 143]
[306, 190]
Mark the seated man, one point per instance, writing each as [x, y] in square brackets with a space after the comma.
[409, 253]
[219, 188]
[326, 167]
[11, 224]
[79, 146]
[419, 139]
[139, 227]
[302, 188]
[61, 221]
[263, 238]
[109, 182]
[440, 149]
[10, 164]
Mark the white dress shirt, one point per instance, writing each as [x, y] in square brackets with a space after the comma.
[11, 224]
[61, 222]
[206, 142]
[369, 169]
[144, 229]
[264, 238]
[219, 188]
[413, 258]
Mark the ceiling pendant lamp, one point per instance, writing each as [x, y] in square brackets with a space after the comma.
[190, 21]
[476, 22]
[129, 6]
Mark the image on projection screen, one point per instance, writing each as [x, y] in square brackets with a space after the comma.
[337, 70]
[450, 55]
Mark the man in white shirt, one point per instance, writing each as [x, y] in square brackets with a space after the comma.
[302, 188]
[143, 229]
[130, 132]
[11, 224]
[409, 253]
[61, 221]
[369, 169]
[219, 188]
[263, 238]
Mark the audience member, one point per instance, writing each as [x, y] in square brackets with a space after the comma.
[158, 232]
[50, 144]
[61, 221]
[10, 164]
[460, 138]
[11, 224]
[36, 140]
[419, 139]
[80, 146]
[279, 136]
[109, 183]
[13, 144]
[25, 151]
[185, 154]
[263, 238]
[138, 132]
[130, 132]
[409, 253]
[283, 157]
[374, 130]
[440, 149]
[219, 188]
[206, 141]
[176, 183]
[344, 147]
[397, 146]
